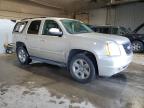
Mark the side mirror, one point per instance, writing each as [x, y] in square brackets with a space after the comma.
[55, 32]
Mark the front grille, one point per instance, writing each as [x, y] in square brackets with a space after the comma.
[128, 48]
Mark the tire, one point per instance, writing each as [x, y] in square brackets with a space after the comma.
[137, 46]
[82, 73]
[23, 56]
[8, 51]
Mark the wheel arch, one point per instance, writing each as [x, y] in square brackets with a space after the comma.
[87, 53]
[21, 44]
[137, 40]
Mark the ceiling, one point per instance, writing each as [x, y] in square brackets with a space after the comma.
[71, 5]
[77, 5]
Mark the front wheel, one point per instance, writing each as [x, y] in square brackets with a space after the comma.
[138, 46]
[23, 56]
[82, 68]
[8, 51]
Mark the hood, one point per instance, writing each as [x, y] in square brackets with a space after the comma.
[135, 36]
[104, 37]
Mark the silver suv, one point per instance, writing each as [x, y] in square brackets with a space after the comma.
[70, 43]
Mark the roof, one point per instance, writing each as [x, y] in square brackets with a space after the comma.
[107, 26]
[39, 18]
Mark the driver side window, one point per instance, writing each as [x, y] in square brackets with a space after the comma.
[48, 25]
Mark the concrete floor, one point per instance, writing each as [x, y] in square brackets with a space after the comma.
[41, 85]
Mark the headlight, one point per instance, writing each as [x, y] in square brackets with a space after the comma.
[112, 49]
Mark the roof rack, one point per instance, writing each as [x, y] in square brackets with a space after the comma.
[32, 18]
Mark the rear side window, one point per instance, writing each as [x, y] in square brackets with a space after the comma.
[105, 30]
[34, 27]
[19, 27]
[97, 30]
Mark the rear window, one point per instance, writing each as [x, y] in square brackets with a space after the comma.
[34, 27]
[107, 30]
[19, 27]
[102, 30]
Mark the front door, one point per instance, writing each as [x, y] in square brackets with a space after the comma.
[52, 47]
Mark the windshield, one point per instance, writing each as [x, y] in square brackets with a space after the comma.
[75, 27]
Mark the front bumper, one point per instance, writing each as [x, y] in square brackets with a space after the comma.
[109, 66]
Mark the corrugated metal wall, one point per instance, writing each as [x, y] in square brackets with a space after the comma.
[98, 16]
[128, 15]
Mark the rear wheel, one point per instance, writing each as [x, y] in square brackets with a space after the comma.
[137, 46]
[23, 56]
[82, 68]
[8, 51]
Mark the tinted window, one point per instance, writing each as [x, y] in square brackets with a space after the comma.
[104, 30]
[19, 27]
[101, 30]
[97, 30]
[48, 25]
[114, 31]
[34, 27]
[107, 30]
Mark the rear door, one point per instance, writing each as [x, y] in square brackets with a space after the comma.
[18, 32]
[33, 38]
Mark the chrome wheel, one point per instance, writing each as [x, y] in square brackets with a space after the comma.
[81, 69]
[137, 46]
[22, 55]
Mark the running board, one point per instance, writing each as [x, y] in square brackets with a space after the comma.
[48, 61]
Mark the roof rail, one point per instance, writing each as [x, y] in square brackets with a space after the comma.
[32, 18]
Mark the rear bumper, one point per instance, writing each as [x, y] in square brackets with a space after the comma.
[109, 66]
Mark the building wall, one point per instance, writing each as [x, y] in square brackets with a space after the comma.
[83, 17]
[128, 15]
[98, 16]
[17, 9]
[6, 28]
